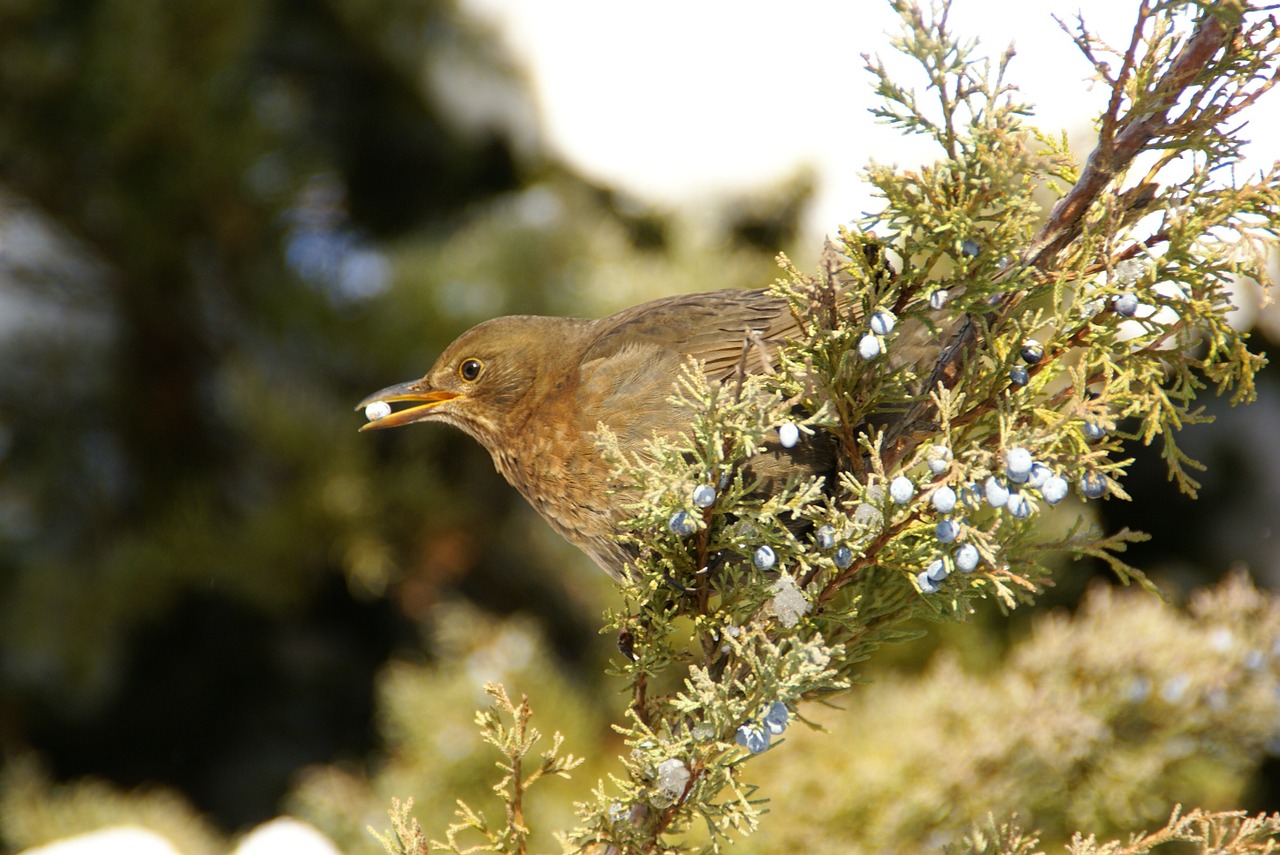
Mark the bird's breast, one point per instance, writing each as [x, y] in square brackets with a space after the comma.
[561, 473]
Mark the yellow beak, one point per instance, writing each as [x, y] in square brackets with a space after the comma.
[412, 392]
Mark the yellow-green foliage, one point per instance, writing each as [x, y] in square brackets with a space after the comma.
[1100, 722]
[435, 751]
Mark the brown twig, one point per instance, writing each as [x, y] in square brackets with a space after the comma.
[1120, 140]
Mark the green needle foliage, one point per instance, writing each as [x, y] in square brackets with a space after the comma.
[944, 337]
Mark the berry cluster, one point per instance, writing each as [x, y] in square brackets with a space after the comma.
[873, 343]
[755, 736]
[1032, 353]
[1014, 491]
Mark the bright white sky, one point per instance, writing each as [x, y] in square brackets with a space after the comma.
[674, 100]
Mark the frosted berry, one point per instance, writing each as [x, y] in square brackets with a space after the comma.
[901, 489]
[1094, 431]
[970, 248]
[1039, 474]
[775, 718]
[1055, 489]
[926, 585]
[869, 346]
[996, 492]
[825, 537]
[682, 524]
[1019, 505]
[1125, 304]
[939, 457]
[704, 496]
[938, 299]
[753, 738]
[843, 557]
[763, 557]
[788, 435]
[967, 558]
[883, 322]
[377, 410]
[944, 499]
[947, 531]
[1093, 485]
[1019, 375]
[1017, 464]
[937, 570]
[1032, 352]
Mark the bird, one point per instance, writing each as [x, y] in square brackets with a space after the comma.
[534, 392]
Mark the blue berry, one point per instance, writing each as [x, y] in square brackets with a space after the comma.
[704, 496]
[682, 524]
[944, 499]
[1019, 505]
[937, 570]
[763, 557]
[967, 558]
[843, 557]
[997, 493]
[1094, 431]
[938, 299]
[947, 531]
[1017, 464]
[1054, 489]
[869, 346]
[926, 585]
[1039, 474]
[788, 435]
[753, 738]
[825, 537]
[883, 322]
[775, 718]
[970, 248]
[1093, 485]
[1032, 352]
[1019, 375]
[901, 489]
[1125, 304]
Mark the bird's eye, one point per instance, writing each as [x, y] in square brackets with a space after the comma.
[469, 370]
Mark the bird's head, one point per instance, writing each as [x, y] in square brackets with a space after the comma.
[481, 381]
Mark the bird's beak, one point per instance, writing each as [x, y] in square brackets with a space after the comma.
[414, 392]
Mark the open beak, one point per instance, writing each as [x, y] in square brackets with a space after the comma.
[411, 392]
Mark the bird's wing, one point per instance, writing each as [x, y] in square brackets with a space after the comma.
[712, 327]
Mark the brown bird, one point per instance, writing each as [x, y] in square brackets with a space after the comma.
[534, 390]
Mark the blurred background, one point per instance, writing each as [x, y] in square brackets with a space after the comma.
[223, 223]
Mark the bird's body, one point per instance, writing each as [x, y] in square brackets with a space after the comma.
[535, 390]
